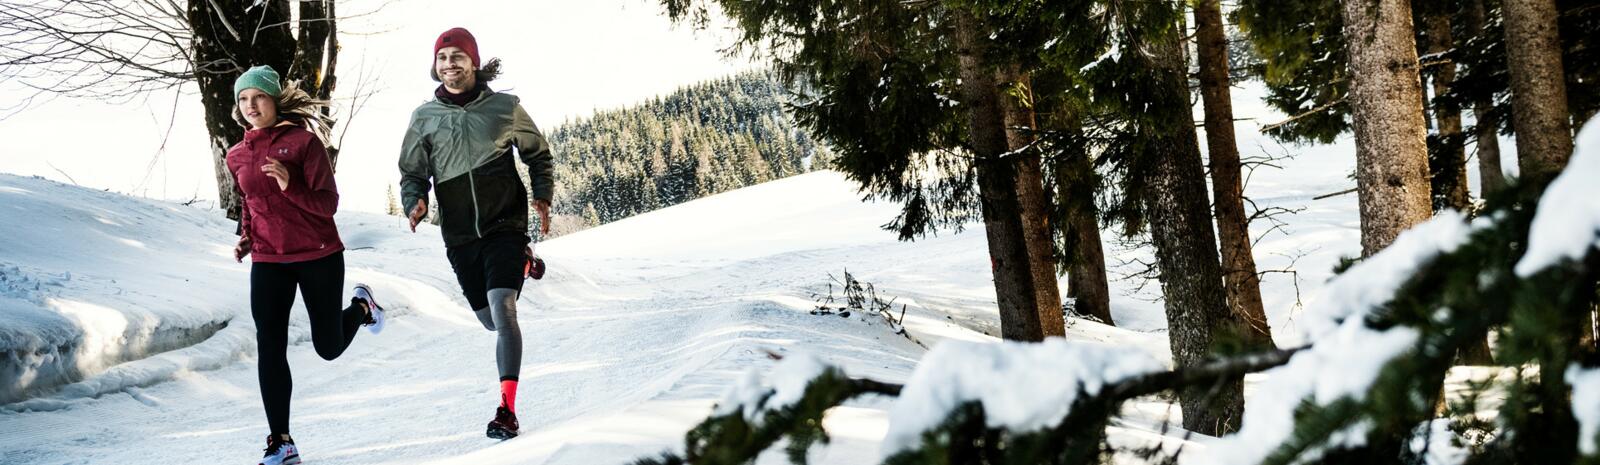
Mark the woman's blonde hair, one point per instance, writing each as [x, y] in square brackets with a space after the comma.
[299, 107]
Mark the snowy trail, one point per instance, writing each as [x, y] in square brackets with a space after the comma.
[606, 338]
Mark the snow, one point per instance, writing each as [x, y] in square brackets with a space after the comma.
[1373, 281]
[1586, 406]
[1023, 387]
[1346, 356]
[1438, 444]
[781, 389]
[1567, 224]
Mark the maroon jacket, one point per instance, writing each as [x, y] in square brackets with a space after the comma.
[293, 225]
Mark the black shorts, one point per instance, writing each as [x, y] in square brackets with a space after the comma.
[493, 262]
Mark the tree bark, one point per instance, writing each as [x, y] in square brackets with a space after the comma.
[1076, 184]
[1021, 123]
[1447, 163]
[1386, 106]
[1538, 88]
[1022, 295]
[1186, 248]
[1239, 277]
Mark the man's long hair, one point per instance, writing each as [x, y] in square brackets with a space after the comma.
[297, 106]
[488, 72]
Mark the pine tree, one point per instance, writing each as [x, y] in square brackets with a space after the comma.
[1538, 93]
[1239, 276]
[1486, 130]
[1386, 103]
[392, 205]
[889, 113]
[1447, 157]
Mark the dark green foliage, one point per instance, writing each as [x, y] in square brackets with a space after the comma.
[1484, 74]
[701, 140]
[1303, 61]
[1452, 301]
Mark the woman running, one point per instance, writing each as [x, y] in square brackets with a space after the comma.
[286, 227]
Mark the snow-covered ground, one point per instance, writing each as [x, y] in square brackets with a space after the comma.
[638, 328]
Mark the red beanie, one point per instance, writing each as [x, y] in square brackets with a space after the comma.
[458, 37]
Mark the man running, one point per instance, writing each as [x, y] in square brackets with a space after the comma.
[459, 145]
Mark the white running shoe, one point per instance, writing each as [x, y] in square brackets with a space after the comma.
[280, 452]
[375, 319]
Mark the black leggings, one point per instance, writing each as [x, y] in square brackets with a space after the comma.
[272, 286]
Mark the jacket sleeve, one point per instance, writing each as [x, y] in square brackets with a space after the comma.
[316, 191]
[535, 152]
[416, 169]
[244, 210]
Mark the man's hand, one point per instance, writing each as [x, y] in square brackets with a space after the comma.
[418, 212]
[242, 248]
[276, 170]
[543, 207]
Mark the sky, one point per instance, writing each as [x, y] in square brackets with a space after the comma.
[565, 59]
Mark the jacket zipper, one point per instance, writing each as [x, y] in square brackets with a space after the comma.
[476, 222]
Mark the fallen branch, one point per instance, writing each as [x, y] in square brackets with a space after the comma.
[1313, 111]
[1335, 194]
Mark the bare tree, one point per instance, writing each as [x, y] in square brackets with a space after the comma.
[119, 50]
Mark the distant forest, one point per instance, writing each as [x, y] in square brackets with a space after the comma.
[703, 139]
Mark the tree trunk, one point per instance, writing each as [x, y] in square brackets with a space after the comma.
[1186, 248]
[1076, 184]
[1022, 296]
[1538, 88]
[1239, 276]
[1447, 162]
[1386, 106]
[224, 44]
[1020, 124]
[317, 56]
[1485, 128]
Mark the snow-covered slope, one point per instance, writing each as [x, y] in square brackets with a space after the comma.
[637, 329]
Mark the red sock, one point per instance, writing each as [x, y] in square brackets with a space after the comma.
[508, 394]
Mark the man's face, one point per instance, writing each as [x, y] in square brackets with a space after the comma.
[454, 68]
[258, 108]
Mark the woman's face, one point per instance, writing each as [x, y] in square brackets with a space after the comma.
[454, 68]
[258, 108]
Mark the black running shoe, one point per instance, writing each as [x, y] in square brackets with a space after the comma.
[504, 425]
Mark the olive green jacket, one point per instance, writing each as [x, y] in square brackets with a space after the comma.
[465, 153]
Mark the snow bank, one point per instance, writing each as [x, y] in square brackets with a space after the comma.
[1567, 223]
[1346, 355]
[1022, 386]
[220, 349]
[90, 279]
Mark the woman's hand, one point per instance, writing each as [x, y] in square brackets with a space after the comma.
[276, 170]
[242, 249]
